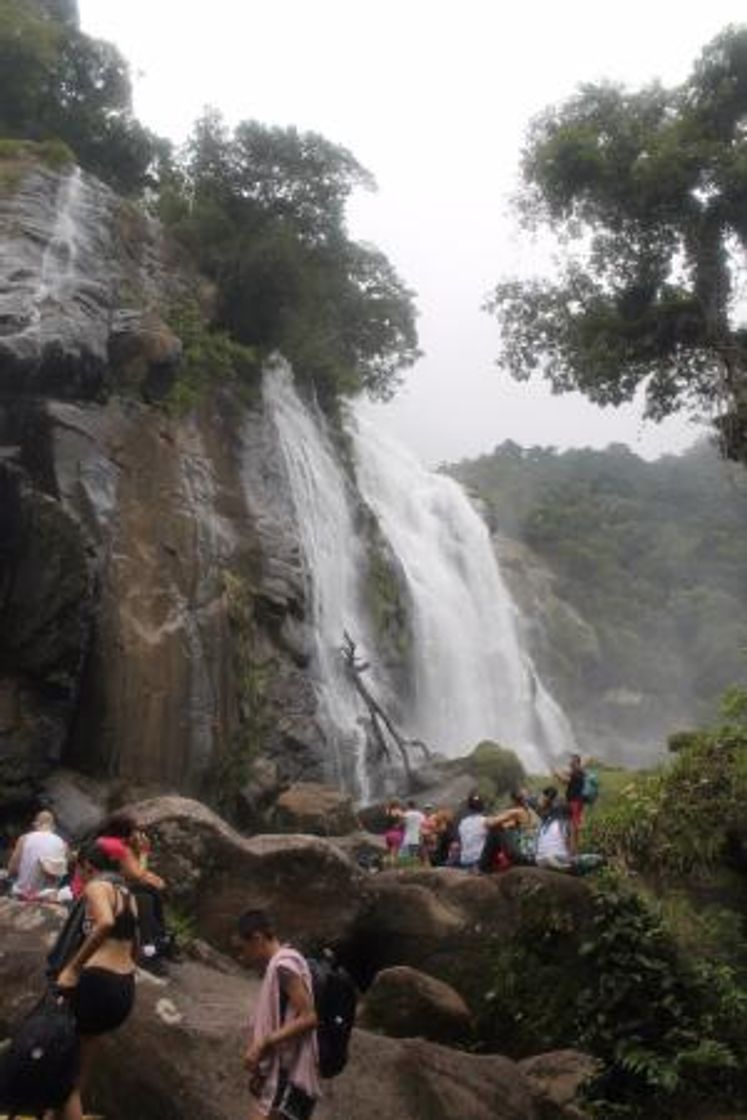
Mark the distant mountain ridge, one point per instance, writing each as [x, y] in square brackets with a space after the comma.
[631, 579]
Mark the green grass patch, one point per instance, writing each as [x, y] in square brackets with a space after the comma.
[19, 157]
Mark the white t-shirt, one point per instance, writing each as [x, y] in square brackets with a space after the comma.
[37, 846]
[473, 830]
[413, 819]
[552, 841]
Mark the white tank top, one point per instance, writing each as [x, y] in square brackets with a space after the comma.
[552, 841]
[37, 846]
[472, 833]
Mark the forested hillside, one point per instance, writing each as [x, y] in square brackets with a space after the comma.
[646, 622]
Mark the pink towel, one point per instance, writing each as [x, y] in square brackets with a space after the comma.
[298, 1058]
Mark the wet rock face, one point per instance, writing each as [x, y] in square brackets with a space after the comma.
[155, 625]
[46, 602]
[57, 285]
[314, 808]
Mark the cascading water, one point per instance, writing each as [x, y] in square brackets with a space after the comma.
[58, 266]
[473, 680]
[333, 558]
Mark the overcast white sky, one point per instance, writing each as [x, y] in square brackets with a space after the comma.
[434, 98]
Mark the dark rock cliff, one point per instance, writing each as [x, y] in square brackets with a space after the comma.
[151, 593]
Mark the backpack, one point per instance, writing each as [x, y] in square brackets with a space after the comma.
[68, 941]
[335, 1000]
[590, 788]
[39, 1068]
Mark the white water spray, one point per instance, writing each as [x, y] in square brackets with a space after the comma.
[59, 262]
[333, 558]
[473, 680]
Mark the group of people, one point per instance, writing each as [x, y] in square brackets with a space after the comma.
[541, 829]
[120, 903]
[94, 971]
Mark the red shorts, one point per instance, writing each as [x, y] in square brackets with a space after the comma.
[576, 808]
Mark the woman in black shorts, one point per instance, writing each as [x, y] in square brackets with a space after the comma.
[100, 977]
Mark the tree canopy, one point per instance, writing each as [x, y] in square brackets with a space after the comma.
[647, 194]
[262, 211]
[58, 83]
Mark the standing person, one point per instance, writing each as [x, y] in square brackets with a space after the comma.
[282, 1055]
[412, 841]
[39, 858]
[429, 833]
[395, 830]
[99, 979]
[574, 778]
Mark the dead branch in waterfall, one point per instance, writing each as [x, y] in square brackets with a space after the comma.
[380, 721]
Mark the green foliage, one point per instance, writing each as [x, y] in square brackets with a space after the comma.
[209, 358]
[253, 678]
[57, 83]
[18, 157]
[262, 211]
[181, 923]
[650, 557]
[677, 820]
[496, 770]
[663, 1025]
[651, 187]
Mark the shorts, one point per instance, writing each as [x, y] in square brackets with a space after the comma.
[102, 1000]
[576, 810]
[291, 1102]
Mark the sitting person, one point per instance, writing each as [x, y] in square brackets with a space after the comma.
[446, 845]
[512, 835]
[554, 838]
[39, 862]
[474, 829]
[123, 841]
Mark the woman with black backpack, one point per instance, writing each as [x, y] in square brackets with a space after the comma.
[99, 978]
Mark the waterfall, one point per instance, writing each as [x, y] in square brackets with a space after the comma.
[473, 679]
[333, 559]
[58, 266]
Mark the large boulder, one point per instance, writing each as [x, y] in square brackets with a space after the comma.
[449, 923]
[403, 1002]
[180, 1052]
[555, 1080]
[316, 809]
[314, 892]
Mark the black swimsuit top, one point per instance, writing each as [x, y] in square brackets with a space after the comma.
[125, 921]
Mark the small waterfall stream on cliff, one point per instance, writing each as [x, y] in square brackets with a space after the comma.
[473, 680]
[58, 266]
[333, 560]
